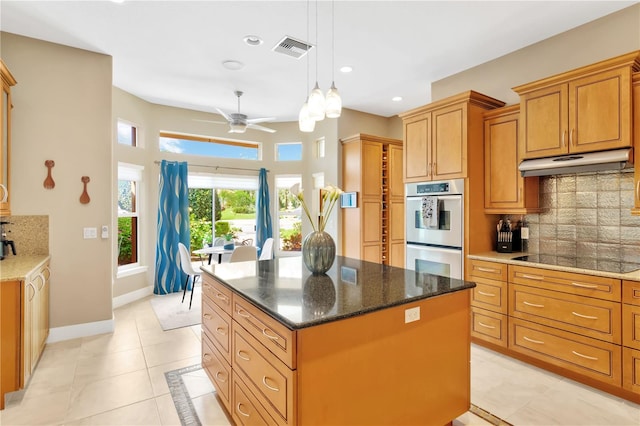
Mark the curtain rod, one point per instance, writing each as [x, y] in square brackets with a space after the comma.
[220, 167]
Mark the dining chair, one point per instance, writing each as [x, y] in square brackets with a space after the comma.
[267, 250]
[242, 253]
[187, 267]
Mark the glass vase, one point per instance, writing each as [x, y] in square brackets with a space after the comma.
[318, 252]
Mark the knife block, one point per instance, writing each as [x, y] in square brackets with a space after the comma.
[508, 242]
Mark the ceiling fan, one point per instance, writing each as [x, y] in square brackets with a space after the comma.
[239, 123]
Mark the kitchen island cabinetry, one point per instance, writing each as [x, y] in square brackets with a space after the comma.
[5, 145]
[441, 138]
[506, 191]
[583, 110]
[337, 348]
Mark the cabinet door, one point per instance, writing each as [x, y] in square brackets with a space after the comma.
[372, 222]
[503, 183]
[29, 298]
[5, 111]
[394, 166]
[600, 114]
[636, 138]
[449, 142]
[544, 117]
[371, 169]
[417, 146]
[396, 233]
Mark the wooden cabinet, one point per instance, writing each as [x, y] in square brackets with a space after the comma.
[374, 229]
[5, 130]
[631, 336]
[583, 110]
[506, 191]
[636, 138]
[489, 302]
[440, 137]
[24, 327]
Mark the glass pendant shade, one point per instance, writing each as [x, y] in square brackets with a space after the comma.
[237, 128]
[316, 104]
[306, 123]
[333, 102]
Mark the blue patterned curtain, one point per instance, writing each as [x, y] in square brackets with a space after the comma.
[263, 216]
[173, 226]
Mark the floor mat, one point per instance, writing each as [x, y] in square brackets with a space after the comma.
[173, 313]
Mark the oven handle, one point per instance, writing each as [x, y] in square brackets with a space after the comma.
[433, 247]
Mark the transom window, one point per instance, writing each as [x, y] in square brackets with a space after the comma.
[127, 134]
[289, 151]
[209, 147]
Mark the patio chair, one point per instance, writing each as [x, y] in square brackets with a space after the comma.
[243, 253]
[187, 267]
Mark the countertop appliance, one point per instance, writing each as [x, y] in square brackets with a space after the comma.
[435, 227]
[594, 264]
[4, 242]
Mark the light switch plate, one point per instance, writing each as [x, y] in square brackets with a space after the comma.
[90, 233]
[105, 231]
[412, 314]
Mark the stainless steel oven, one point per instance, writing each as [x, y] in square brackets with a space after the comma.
[434, 227]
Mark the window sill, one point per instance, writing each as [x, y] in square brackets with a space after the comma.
[126, 271]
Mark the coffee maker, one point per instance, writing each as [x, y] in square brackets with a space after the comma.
[4, 242]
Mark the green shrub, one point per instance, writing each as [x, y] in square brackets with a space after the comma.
[222, 228]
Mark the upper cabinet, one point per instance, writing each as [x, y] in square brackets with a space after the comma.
[437, 136]
[583, 110]
[636, 137]
[506, 191]
[5, 129]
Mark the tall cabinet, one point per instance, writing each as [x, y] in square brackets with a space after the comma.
[636, 137]
[5, 130]
[373, 229]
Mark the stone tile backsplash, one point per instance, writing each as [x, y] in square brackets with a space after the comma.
[30, 234]
[587, 215]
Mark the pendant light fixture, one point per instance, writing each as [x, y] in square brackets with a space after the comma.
[333, 102]
[305, 122]
[316, 97]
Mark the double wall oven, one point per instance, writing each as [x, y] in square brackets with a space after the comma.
[434, 227]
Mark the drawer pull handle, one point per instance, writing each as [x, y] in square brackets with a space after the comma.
[584, 316]
[207, 357]
[540, 342]
[222, 297]
[535, 305]
[264, 382]
[207, 316]
[240, 352]
[243, 313]
[270, 336]
[481, 269]
[485, 325]
[486, 294]
[240, 411]
[220, 377]
[533, 277]
[584, 285]
[593, 358]
[221, 330]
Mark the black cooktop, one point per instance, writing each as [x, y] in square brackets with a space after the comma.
[595, 264]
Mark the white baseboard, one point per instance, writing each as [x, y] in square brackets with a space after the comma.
[132, 296]
[75, 331]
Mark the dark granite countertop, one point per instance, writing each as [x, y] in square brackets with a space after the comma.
[286, 290]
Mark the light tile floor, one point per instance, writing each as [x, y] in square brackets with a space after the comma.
[118, 379]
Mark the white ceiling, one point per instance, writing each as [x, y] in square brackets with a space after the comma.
[171, 52]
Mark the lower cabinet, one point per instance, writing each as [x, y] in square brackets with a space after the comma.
[631, 336]
[489, 302]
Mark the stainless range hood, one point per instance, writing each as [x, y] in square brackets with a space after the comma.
[577, 163]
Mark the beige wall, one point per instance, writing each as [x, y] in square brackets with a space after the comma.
[601, 39]
[62, 112]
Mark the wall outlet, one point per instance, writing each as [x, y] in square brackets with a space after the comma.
[90, 233]
[524, 233]
[412, 314]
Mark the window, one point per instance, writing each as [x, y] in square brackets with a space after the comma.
[320, 148]
[207, 147]
[289, 151]
[127, 134]
[129, 178]
[289, 224]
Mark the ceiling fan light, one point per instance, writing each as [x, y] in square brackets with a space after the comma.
[237, 128]
[316, 104]
[333, 102]
[305, 123]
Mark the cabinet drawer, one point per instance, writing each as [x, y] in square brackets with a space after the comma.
[631, 292]
[490, 294]
[567, 282]
[631, 370]
[489, 326]
[218, 370]
[631, 326]
[589, 357]
[491, 270]
[217, 293]
[216, 325]
[271, 380]
[590, 317]
[272, 334]
[246, 408]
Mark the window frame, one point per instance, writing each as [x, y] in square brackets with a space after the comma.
[231, 142]
[135, 133]
[277, 151]
[130, 173]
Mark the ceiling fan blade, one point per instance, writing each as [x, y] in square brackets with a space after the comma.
[260, 120]
[224, 114]
[258, 127]
[211, 121]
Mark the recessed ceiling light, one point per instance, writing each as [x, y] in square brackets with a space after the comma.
[253, 40]
[346, 69]
[396, 98]
[233, 65]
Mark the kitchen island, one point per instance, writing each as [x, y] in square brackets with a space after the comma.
[364, 344]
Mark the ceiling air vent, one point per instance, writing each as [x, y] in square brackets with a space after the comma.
[292, 47]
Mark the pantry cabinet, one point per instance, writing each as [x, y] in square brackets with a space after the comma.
[636, 137]
[5, 131]
[441, 137]
[373, 229]
[583, 110]
[506, 191]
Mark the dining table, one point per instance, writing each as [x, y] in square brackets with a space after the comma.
[210, 251]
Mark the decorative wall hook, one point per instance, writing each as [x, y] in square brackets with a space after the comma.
[48, 182]
[84, 198]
